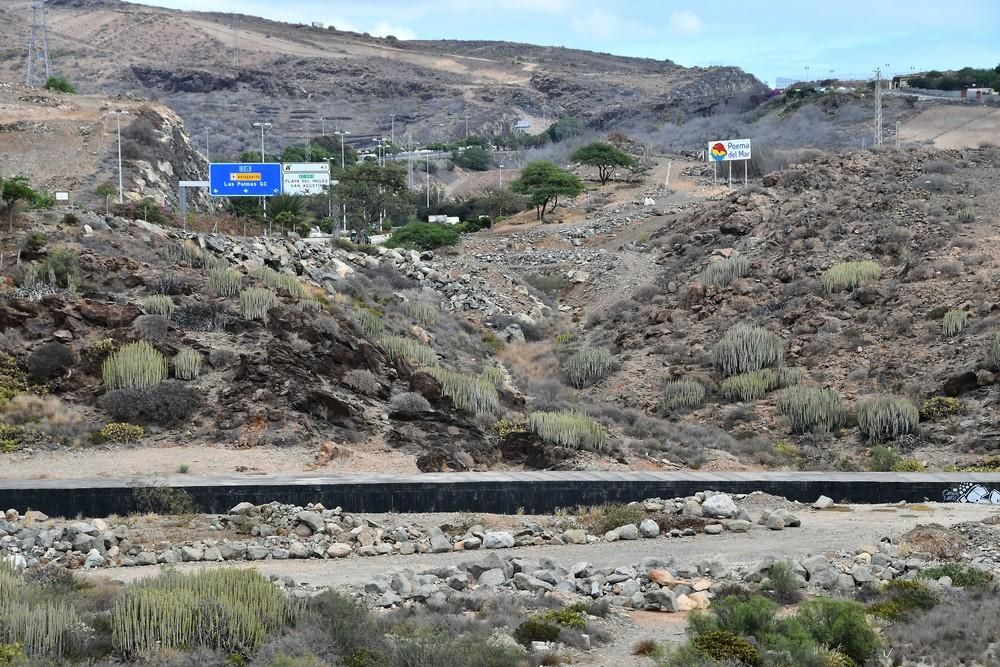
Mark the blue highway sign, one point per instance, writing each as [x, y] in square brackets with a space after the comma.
[244, 179]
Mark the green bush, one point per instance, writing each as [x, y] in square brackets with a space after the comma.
[887, 417]
[682, 394]
[812, 409]
[900, 596]
[232, 610]
[166, 404]
[37, 626]
[158, 304]
[255, 302]
[882, 459]
[751, 386]
[567, 429]
[729, 269]
[187, 364]
[34, 242]
[136, 365]
[59, 85]
[121, 433]
[784, 586]
[599, 520]
[423, 236]
[471, 393]
[744, 616]
[848, 275]
[60, 269]
[425, 314]
[534, 629]
[939, 407]
[589, 366]
[400, 347]
[567, 617]
[954, 322]
[841, 624]
[11, 654]
[963, 576]
[721, 645]
[279, 281]
[369, 321]
[747, 347]
[225, 282]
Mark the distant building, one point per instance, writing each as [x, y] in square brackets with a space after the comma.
[977, 93]
[522, 126]
[317, 24]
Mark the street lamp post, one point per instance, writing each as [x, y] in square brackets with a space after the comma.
[428, 183]
[263, 126]
[323, 121]
[501, 177]
[121, 190]
[341, 134]
[392, 128]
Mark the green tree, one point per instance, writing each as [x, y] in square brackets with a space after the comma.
[373, 194]
[605, 157]
[16, 189]
[564, 128]
[290, 211]
[423, 236]
[474, 158]
[60, 85]
[543, 182]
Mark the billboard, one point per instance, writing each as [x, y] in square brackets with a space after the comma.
[305, 178]
[728, 149]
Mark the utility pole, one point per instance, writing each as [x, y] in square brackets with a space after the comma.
[428, 182]
[236, 41]
[898, 124]
[207, 159]
[323, 121]
[38, 43]
[466, 123]
[121, 189]
[308, 143]
[878, 109]
[501, 177]
[392, 128]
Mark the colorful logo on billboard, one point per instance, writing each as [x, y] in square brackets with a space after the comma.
[727, 150]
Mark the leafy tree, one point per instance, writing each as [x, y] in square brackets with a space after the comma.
[373, 194]
[564, 128]
[605, 157]
[423, 236]
[474, 158]
[543, 182]
[16, 189]
[60, 85]
[290, 210]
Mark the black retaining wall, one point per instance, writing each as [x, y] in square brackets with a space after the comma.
[485, 492]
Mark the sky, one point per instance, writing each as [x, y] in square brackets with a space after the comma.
[802, 39]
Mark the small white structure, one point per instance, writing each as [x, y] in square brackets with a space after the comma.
[522, 126]
[437, 218]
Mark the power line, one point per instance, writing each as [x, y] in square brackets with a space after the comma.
[38, 42]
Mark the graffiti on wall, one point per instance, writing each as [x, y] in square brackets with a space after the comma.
[972, 493]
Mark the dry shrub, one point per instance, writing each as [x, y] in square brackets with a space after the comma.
[46, 417]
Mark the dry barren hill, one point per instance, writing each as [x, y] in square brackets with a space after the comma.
[294, 75]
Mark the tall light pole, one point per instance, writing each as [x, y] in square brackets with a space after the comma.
[323, 121]
[428, 183]
[121, 190]
[392, 128]
[501, 177]
[263, 127]
[341, 134]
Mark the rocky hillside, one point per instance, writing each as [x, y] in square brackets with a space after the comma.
[294, 75]
[919, 326]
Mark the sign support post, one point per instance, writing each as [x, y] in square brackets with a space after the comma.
[728, 150]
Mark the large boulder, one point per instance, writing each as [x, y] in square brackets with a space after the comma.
[719, 506]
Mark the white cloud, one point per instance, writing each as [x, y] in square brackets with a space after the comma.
[383, 29]
[685, 23]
